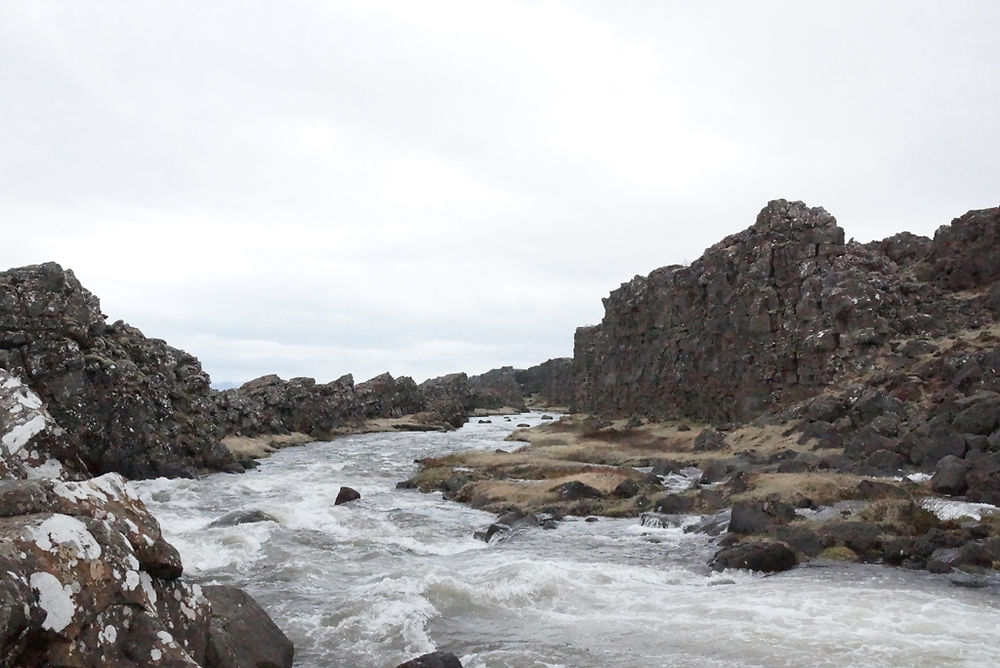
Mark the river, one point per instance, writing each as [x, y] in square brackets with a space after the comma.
[398, 573]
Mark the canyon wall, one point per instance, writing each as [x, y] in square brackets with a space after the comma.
[777, 313]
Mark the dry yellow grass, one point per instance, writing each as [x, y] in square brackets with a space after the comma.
[262, 446]
[823, 488]
[602, 455]
[541, 495]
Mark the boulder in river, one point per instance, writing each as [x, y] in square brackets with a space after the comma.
[764, 556]
[346, 495]
[505, 526]
[242, 634]
[755, 516]
[243, 517]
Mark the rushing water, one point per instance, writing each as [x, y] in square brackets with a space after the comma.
[398, 574]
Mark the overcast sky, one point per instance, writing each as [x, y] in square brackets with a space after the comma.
[316, 188]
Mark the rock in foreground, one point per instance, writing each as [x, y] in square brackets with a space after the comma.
[242, 634]
[88, 578]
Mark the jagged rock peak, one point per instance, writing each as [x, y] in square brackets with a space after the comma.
[781, 216]
[812, 231]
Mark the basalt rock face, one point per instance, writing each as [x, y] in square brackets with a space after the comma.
[387, 397]
[966, 254]
[549, 383]
[776, 314]
[451, 397]
[32, 445]
[497, 388]
[127, 403]
[270, 405]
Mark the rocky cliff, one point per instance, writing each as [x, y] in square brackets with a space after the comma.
[549, 383]
[270, 405]
[777, 313]
[887, 350]
[497, 388]
[128, 404]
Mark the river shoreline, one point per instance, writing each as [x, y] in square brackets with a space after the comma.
[782, 489]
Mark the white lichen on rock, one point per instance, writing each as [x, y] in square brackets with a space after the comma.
[108, 635]
[23, 418]
[131, 580]
[22, 433]
[147, 586]
[63, 531]
[56, 599]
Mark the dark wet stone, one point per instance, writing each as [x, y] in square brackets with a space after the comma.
[863, 538]
[626, 489]
[674, 504]
[764, 556]
[243, 517]
[574, 490]
[346, 495]
[756, 516]
[242, 634]
[949, 476]
[433, 660]
[712, 525]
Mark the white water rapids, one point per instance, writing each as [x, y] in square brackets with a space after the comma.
[398, 574]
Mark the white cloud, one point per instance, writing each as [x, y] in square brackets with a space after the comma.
[334, 187]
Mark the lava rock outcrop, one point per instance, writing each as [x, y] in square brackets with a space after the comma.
[128, 404]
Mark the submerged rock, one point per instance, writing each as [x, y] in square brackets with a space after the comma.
[506, 525]
[433, 660]
[243, 517]
[712, 525]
